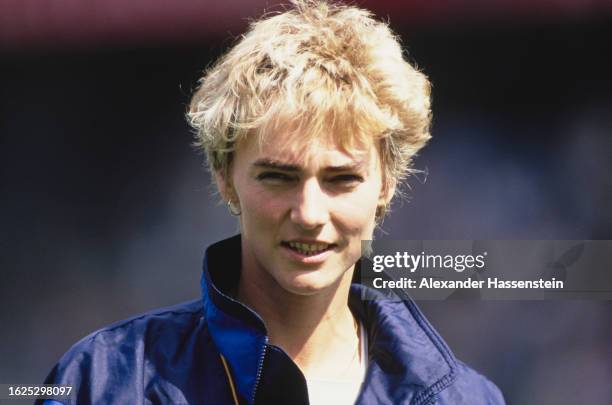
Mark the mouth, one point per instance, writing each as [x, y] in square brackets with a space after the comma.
[308, 249]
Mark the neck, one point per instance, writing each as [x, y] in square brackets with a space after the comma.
[318, 331]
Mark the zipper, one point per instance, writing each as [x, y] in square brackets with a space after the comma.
[259, 369]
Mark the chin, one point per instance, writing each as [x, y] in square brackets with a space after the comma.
[309, 282]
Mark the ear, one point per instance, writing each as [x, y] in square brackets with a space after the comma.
[387, 192]
[225, 186]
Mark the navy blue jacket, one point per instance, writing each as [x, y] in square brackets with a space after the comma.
[216, 351]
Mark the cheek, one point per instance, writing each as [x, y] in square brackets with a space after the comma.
[356, 215]
[260, 210]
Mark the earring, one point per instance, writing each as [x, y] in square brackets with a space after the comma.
[233, 210]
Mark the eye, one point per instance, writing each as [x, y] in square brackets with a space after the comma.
[277, 177]
[346, 179]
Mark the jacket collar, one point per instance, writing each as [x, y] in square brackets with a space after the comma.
[408, 360]
[237, 331]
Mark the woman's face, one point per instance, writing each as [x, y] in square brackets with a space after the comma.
[305, 209]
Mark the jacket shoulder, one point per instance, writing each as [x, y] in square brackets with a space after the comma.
[154, 324]
[470, 388]
[114, 361]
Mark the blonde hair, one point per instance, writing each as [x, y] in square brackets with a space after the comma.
[320, 67]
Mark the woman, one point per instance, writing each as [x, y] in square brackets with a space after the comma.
[309, 123]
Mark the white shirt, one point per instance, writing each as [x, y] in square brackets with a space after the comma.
[337, 391]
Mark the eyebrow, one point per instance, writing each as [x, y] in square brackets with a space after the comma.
[268, 163]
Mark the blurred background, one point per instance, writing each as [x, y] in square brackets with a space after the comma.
[105, 208]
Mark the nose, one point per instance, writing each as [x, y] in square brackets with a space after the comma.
[310, 209]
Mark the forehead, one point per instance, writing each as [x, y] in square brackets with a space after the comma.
[295, 149]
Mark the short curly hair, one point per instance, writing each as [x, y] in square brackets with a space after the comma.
[320, 67]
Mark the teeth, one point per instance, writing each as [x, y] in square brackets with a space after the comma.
[307, 248]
